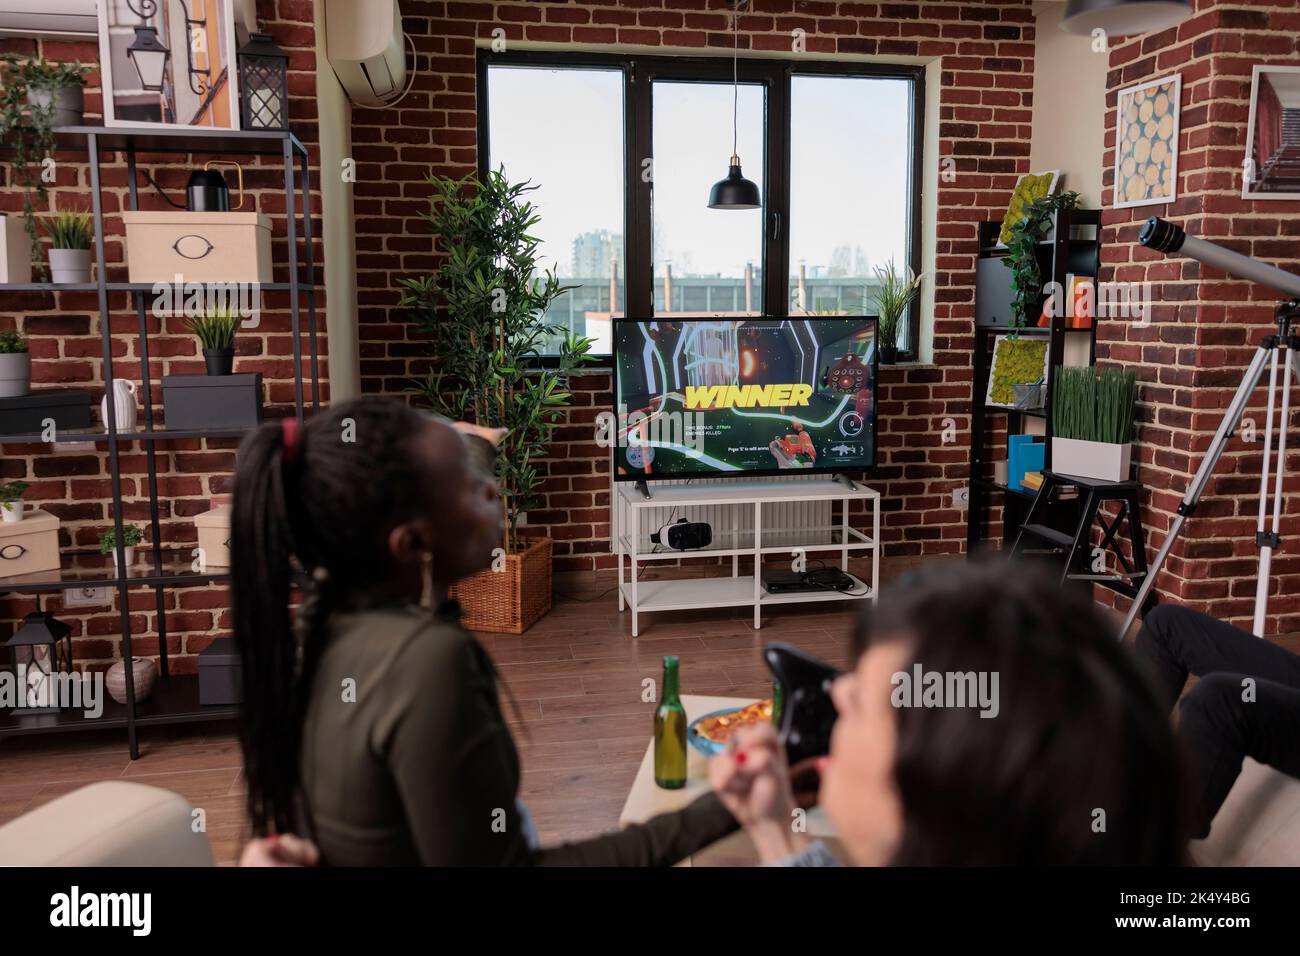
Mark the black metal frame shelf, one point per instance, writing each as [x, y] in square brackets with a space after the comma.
[1058, 253]
[175, 698]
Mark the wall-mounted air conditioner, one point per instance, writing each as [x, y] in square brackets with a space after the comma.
[48, 18]
[365, 45]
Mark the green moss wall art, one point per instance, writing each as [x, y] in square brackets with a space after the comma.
[1016, 361]
[1030, 187]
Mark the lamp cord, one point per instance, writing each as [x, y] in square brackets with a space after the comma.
[735, 78]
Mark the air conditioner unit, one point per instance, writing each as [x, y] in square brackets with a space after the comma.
[48, 18]
[365, 45]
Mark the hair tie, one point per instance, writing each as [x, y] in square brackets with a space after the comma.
[292, 439]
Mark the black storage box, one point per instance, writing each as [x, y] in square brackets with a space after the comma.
[993, 294]
[219, 673]
[213, 401]
[25, 415]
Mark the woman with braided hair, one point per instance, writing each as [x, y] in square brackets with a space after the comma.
[373, 726]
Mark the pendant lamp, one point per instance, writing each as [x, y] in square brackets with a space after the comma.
[735, 192]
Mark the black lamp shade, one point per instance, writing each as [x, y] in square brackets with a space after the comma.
[40, 628]
[735, 192]
[149, 57]
[263, 84]
[1124, 17]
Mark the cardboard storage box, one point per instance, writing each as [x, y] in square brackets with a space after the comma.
[214, 536]
[198, 246]
[68, 407]
[15, 249]
[213, 401]
[30, 545]
[219, 673]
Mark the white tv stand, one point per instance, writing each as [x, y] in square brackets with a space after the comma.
[763, 538]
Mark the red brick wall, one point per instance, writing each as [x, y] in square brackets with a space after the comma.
[63, 332]
[986, 51]
[1205, 324]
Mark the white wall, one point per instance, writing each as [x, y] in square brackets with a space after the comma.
[1069, 104]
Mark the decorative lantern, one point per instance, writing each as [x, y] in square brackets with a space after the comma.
[263, 84]
[149, 57]
[42, 650]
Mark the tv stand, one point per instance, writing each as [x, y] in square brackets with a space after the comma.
[643, 488]
[783, 540]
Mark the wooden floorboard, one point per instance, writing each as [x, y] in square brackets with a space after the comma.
[581, 727]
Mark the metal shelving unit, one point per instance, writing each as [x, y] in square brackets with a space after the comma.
[175, 698]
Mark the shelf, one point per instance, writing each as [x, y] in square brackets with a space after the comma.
[683, 594]
[1025, 330]
[177, 139]
[135, 286]
[741, 542]
[175, 700]
[999, 486]
[154, 435]
[90, 569]
[1031, 412]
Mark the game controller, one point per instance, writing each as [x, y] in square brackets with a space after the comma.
[807, 712]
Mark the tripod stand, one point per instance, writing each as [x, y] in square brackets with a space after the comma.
[1267, 537]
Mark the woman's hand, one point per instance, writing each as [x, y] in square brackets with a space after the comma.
[752, 780]
[280, 849]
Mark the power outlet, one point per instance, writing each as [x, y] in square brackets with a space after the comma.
[961, 498]
[87, 597]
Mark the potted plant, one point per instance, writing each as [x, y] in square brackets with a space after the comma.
[35, 97]
[1022, 254]
[70, 235]
[11, 501]
[895, 290]
[1092, 422]
[484, 312]
[15, 365]
[131, 536]
[215, 329]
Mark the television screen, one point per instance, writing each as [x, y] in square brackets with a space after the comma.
[710, 396]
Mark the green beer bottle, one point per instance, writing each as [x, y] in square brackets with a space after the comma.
[670, 732]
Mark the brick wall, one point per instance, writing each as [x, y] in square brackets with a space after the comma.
[63, 332]
[1205, 325]
[986, 51]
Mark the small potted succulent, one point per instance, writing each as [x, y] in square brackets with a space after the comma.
[11, 501]
[895, 290]
[215, 330]
[70, 236]
[131, 536]
[15, 365]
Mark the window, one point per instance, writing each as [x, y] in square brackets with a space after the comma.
[625, 149]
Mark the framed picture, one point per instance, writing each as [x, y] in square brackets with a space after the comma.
[1029, 187]
[169, 63]
[1017, 360]
[1146, 143]
[1269, 171]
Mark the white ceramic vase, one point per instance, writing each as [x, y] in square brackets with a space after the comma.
[123, 392]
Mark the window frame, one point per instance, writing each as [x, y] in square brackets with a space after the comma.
[640, 71]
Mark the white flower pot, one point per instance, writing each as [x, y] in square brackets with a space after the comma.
[15, 374]
[70, 265]
[1098, 460]
[69, 103]
[128, 554]
[13, 511]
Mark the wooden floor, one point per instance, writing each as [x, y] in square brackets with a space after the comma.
[577, 677]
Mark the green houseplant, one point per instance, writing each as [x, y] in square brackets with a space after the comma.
[215, 330]
[895, 290]
[11, 500]
[1022, 254]
[131, 536]
[15, 365]
[70, 237]
[483, 312]
[1092, 422]
[35, 97]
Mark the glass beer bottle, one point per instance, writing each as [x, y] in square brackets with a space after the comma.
[670, 732]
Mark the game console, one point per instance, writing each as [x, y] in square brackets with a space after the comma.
[781, 581]
[684, 535]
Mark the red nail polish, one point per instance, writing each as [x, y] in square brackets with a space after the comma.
[741, 757]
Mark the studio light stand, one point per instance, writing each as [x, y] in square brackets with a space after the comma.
[1168, 238]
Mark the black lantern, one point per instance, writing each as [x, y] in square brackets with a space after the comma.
[42, 650]
[149, 57]
[263, 84]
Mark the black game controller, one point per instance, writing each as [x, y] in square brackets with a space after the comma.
[807, 713]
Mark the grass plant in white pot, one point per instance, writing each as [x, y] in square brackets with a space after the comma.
[1092, 422]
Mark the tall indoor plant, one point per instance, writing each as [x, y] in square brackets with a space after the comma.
[1092, 422]
[895, 290]
[484, 313]
[35, 97]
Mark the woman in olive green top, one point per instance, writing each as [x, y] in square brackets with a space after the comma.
[374, 725]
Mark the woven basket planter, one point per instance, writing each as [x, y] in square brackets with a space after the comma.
[511, 600]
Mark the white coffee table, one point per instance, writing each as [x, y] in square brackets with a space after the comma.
[647, 799]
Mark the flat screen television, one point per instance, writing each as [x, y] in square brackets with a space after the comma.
[697, 397]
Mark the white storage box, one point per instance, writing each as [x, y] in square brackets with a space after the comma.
[30, 545]
[1098, 460]
[198, 246]
[15, 250]
[214, 537]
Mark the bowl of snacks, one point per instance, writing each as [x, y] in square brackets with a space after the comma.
[711, 733]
